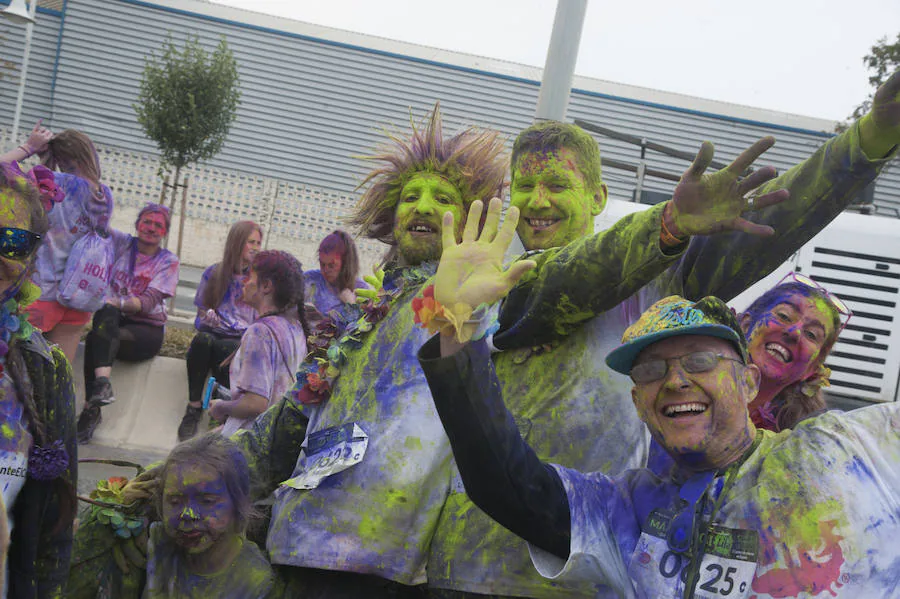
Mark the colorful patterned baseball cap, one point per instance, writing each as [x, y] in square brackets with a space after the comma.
[674, 316]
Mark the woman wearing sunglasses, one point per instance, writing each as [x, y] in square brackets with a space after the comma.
[131, 325]
[38, 455]
[791, 329]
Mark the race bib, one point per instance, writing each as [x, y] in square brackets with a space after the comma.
[328, 452]
[726, 570]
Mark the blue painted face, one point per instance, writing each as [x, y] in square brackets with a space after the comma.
[198, 512]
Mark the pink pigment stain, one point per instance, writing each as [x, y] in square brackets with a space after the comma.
[817, 572]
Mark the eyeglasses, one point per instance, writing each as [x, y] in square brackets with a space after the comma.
[843, 310]
[17, 244]
[701, 361]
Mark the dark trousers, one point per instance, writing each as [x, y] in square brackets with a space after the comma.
[205, 356]
[310, 583]
[114, 336]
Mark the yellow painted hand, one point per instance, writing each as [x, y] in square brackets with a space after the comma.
[705, 204]
[472, 272]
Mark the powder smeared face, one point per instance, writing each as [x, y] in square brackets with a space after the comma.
[152, 228]
[555, 203]
[14, 213]
[251, 247]
[786, 342]
[701, 417]
[417, 223]
[330, 264]
[197, 510]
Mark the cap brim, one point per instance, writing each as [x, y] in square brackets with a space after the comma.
[622, 358]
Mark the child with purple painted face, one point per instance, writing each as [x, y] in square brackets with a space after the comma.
[790, 330]
[199, 549]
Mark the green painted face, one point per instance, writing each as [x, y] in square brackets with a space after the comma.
[423, 202]
[556, 205]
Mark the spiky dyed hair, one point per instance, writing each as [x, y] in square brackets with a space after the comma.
[473, 160]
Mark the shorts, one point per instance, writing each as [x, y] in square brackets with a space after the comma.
[45, 315]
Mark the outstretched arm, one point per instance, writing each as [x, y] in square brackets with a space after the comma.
[501, 473]
[820, 188]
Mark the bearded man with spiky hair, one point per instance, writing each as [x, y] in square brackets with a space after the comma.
[356, 510]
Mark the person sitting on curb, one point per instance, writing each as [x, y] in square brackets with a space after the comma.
[222, 317]
[272, 347]
[743, 512]
[131, 325]
[332, 286]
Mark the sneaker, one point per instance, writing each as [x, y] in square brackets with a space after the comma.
[101, 392]
[88, 421]
[188, 427]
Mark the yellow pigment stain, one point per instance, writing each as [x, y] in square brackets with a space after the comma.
[7, 431]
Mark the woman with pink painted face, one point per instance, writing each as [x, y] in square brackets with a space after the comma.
[331, 287]
[790, 331]
[131, 325]
[199, 548]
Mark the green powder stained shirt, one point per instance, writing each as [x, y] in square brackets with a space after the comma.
[572, 409]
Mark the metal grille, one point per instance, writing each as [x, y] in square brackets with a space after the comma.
[868, 281]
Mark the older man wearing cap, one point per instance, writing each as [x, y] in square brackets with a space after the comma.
[744, 513]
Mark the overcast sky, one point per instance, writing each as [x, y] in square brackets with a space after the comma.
[797, 56]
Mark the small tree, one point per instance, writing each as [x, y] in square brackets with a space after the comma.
[187, 102]
[882, 62]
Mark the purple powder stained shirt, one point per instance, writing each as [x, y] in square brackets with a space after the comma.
[270, 353]
[234, 315]
[153, 280]
[323, 296]
[79, 213]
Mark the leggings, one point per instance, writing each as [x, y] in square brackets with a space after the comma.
[115, 336]
[204, 356]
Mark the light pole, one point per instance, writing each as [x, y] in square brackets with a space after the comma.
[19, 13]
[561, 56]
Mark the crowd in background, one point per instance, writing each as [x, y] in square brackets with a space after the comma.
[357, 454]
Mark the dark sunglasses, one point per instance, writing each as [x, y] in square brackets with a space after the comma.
[18, 244]
[701, 361]
[844, 311]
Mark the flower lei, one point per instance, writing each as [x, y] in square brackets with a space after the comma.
[13, 324]
[111, 508]
[330, 343]
[458, 321]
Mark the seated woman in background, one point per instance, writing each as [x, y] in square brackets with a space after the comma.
[222, 317]
[332, 286]
[131, 325]
[38, 455]
[272, 347]
[791, 329]
[87, 207]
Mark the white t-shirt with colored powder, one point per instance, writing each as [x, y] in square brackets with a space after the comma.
[813, 512]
